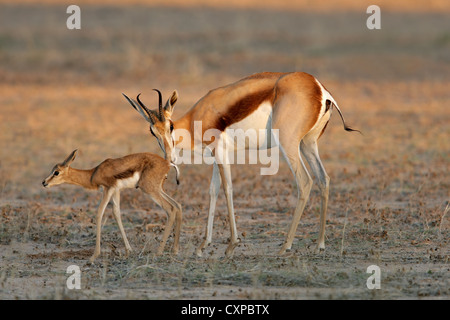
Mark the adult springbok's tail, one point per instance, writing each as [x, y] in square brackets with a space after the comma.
[331, 104]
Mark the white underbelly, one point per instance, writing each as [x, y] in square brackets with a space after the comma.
[130, 182]
[251, 132]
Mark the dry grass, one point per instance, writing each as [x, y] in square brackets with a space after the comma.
[61, 90]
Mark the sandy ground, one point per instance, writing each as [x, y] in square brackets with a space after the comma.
[389, 195]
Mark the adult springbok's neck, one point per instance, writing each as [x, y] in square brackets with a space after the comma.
[182, 127]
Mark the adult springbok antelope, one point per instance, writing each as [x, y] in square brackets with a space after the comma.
[296, 104]
[145, 171]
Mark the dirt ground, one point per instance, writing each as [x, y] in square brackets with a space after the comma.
[61, 89]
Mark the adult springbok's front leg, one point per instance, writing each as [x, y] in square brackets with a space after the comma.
[221, 174]
[214, 189]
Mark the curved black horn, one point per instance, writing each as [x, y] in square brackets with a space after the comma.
[141, 104]
[150, 114]
[161, 115]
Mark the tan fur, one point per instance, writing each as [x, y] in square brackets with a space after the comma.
[151, 170]
[296, 100]
[297, 105]
[226, 105]
[301, 108]
[110, 170]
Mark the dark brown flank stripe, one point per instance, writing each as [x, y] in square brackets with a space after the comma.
[110, 180]
[243, 108]
[125, 175]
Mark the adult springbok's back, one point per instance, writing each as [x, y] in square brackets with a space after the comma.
[296, 104]
[145, 171]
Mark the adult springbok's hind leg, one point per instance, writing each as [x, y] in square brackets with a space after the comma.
[304, 183]
[225, 173]
[107, 193]
[296, 110]
[310, 151]
[117, 215]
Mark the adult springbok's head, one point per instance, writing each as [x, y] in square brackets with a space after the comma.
[161, 125]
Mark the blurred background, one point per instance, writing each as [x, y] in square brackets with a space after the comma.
[61, 89]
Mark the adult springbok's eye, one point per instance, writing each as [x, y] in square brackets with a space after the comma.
[171, 127]
[56, 173]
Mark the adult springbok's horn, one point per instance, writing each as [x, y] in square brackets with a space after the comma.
[151, 115]
[161, 114]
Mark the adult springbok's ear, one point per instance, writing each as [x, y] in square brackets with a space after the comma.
[168, 109]
[70, 158]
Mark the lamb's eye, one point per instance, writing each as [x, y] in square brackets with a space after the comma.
[56, 173]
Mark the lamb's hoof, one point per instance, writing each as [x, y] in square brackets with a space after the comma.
[199, 253]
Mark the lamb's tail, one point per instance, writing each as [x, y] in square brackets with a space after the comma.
[330, 104]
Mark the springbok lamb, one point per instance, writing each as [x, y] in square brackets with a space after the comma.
[145, 171]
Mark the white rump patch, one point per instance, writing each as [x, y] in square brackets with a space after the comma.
[325, 96]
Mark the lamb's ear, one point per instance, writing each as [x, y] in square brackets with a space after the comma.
[168, 109]
[70, 158]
